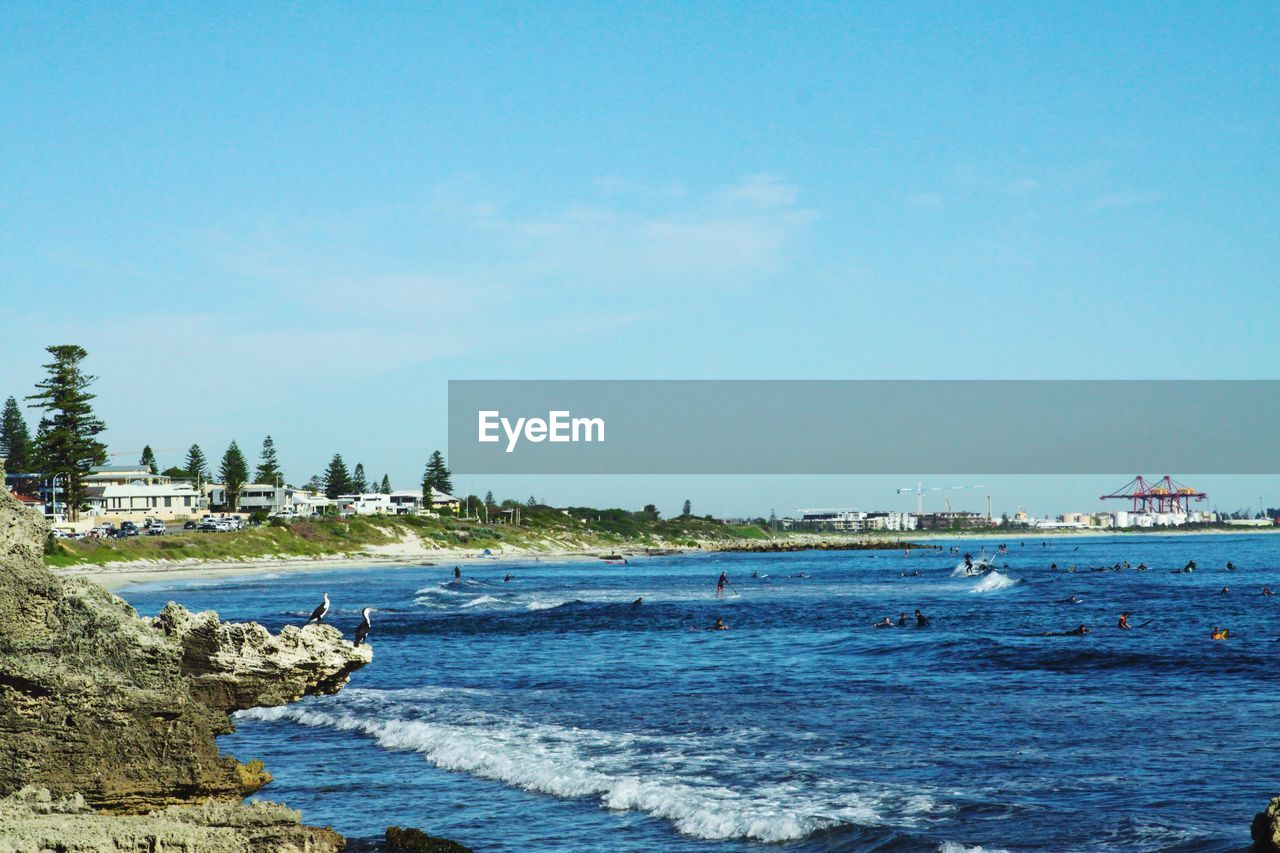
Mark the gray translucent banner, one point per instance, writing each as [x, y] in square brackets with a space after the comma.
[864, 427]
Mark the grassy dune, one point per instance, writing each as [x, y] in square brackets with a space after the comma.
[540, 530]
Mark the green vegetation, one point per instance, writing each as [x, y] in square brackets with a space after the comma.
[66, 443]
[337, 480]
[15, 440]
[437, 476]
[541, 529]
[197, 467]
[234, 472]
[268, 465]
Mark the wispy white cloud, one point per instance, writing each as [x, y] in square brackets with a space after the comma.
[469, 266]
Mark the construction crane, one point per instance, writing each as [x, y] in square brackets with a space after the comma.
[139, 452]
[920, 490]
[1163, 496]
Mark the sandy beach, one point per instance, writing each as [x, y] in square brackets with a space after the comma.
[412, 552]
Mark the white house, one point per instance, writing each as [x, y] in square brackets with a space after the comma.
[157, 500]
[406, 503]
[370, 503]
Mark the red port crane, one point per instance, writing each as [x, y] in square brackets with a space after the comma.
[1166, 495]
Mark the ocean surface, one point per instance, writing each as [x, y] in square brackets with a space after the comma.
[549, 712]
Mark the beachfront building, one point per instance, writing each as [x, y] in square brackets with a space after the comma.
[124, 475]
[849, 521]
[369, 503]
[137, 501]
[952, 520]
[441, 502]
[32, 503]
[405, 503]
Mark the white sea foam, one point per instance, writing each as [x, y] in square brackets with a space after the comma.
[540, 604]
[481, 600]
[994, 582]
[623, 771]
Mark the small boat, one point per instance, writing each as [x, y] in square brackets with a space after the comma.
[615, 559]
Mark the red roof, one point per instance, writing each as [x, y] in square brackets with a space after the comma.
[27, 499]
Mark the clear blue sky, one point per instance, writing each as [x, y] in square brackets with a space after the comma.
[303, 219]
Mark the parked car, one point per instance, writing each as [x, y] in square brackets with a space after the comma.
[127, 528]
[156, 528]
[58, 533]
[190, 524]
[208, 525]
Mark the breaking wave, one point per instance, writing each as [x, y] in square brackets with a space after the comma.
[626, 772]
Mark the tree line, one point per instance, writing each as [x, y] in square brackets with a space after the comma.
[65, 446]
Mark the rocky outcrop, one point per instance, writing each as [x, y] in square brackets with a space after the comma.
[33, 821]
[1266, 827]
[122, 712]
[417, 841]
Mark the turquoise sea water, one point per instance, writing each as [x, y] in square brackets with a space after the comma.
[550, 713]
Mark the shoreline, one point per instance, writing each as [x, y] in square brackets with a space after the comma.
[118, 575]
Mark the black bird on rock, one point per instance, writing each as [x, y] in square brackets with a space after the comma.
[363, 630]
[321, 611]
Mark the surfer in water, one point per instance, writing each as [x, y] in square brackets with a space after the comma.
[1124, 621]
[968, 564]
[1266, 590]
[1224, 634]
[1079, 631]
[902, 619]
[921, 620]
[638, 601]
[457, 573]
[719, 625]
[720, 582]
[885, 623]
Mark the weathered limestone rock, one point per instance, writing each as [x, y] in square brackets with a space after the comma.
[33, 821]
[121, 711]
[1266, 826]
[233, 666]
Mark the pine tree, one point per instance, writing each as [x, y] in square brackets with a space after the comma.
[385, 488]
[359, 483]
[15, 440]
[488, 499]
[688, 508]
[336, 479]
[234, 471]
[437, 476]
[196, 465]
[37, 455]
[148, 460]
[268, 465]
[68, 447]
[315, 485]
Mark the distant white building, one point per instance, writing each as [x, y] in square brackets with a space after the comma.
[124, 475]
[160, 500]
[405, 503]
[264, 497]
[852, 520]
[368, 503]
